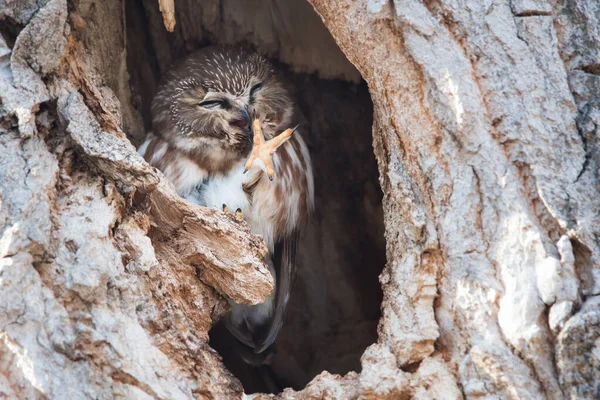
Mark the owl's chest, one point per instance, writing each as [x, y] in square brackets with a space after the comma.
[223, 190]
[259, 210]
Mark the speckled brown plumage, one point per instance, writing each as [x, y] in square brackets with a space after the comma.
[201, 140]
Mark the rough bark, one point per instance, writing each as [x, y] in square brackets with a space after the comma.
[490, 184]
[110, 281]
[485, 131]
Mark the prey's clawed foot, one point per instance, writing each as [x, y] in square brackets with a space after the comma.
[264, 150]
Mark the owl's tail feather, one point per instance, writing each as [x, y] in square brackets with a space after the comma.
[241, 333]
[258, 334]
[284, 258]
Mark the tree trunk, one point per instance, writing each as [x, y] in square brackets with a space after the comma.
[485, 132]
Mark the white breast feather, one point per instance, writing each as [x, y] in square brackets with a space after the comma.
[144, 146]
[159, 153]
[227, 190]
[188, 175]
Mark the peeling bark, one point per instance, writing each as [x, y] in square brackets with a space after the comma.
[485, 131]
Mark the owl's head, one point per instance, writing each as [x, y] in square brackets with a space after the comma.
[206, 103]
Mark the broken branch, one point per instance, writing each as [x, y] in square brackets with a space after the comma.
[167, 9]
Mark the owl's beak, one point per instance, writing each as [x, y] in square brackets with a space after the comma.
[244, 121]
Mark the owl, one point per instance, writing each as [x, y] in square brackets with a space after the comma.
[201, 139]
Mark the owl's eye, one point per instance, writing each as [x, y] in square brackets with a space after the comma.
[255, 89]
[213, 104]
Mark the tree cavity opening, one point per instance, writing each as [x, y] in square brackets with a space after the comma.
[335, 306]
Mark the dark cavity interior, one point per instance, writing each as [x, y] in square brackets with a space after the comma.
[335, 305]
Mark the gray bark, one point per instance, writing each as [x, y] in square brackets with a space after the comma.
[485, 132]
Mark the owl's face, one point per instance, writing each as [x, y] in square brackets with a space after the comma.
[207, 103]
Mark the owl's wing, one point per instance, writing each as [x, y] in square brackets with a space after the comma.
[290, 196]
[284, 257]
[259, 336]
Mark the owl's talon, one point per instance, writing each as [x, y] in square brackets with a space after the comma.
[264, 150]
[225, 208]
[238, 213]
[245, 170]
